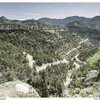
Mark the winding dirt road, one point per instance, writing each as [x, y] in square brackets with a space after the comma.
[44, 66]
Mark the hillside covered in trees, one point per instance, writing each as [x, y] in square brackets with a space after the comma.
[57, 61]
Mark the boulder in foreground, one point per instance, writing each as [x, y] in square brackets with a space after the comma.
[17, 89]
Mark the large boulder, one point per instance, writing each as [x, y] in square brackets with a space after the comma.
[17, 89]
[92, 75]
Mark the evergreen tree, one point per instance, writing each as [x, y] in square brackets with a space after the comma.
[45, 92]
[59, 88]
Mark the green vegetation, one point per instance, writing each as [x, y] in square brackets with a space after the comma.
[13, 64]
[85, 31]
[56, 77]
[43, 46]
[34, 43]
[49, 81]
[83, 56]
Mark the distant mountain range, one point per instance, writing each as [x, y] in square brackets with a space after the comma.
[63, 21]
[91, 22]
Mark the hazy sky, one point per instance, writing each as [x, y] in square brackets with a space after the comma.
[52, 10]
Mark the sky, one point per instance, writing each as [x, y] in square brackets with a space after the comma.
[52, 10]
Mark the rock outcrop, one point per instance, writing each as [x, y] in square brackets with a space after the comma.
[93, 74]
[17, 89]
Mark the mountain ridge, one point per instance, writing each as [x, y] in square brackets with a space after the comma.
[47, 18]
[93, 22]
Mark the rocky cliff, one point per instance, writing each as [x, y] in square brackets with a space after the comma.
[31, 27]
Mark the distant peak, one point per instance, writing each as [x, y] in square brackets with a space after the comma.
[3, 17]
[72, 17]
[97, 16]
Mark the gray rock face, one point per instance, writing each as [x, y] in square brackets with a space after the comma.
[17, 89]
[93, 91]
[92, 74]
[86, 92]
